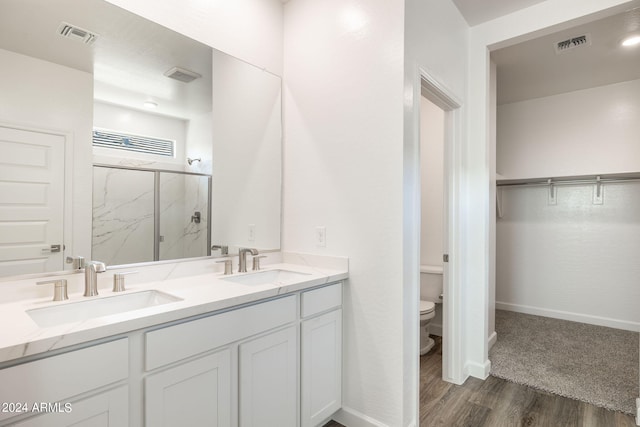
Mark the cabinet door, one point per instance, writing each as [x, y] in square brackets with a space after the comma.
[108, 409]
[268, 380]
[196, 393]
[321, 389]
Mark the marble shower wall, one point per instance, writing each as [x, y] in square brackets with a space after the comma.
[123, 215]
[123, 221]
[181, 196]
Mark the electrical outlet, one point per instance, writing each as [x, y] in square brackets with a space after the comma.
[321, 236]
[252, 232]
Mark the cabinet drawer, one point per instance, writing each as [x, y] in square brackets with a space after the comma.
[322, 299]
[177, 342]
[57, 378]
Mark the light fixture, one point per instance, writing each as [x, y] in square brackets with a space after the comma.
[150, 105]
[631, 41]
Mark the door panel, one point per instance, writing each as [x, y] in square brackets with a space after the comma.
[31, 201]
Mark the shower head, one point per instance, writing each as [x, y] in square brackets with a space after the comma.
[190, 160]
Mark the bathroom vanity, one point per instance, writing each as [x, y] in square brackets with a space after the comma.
[230, 351]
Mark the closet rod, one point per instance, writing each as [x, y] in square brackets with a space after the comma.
[566, 182]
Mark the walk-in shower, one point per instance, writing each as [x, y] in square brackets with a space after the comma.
[142, 214]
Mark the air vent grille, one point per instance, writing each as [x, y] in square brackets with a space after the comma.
[135, 143]
[76, 33]
[182, 74]
[573, 42]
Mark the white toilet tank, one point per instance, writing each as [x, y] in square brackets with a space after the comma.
[430, 290]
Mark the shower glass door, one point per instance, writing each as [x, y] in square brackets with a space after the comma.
[184, 216]
[123, 215]
[142, 215]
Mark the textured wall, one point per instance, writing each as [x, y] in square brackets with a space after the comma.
[574, 260]
[591, 131]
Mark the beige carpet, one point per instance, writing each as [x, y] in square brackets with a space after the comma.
[590, 363]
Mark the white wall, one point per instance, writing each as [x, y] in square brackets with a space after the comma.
[248, 29]
[432, 174]
[432, 137]
[575, 260]
[42, 95]
[247, 155]
[591, 131]
[572, 260]
[346, 168]
[200, 143]
[436, 42]
[343, 78]
[539, 19]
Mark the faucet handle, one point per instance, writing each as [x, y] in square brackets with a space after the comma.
[228, 266]
[59, 289]
[76, 261]
[256, 262]
[118, 280]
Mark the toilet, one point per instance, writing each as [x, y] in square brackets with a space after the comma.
[427, 312]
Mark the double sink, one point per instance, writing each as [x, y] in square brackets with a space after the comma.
[105, 306]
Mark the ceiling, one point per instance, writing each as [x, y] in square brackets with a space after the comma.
[478, 11]
[533, 69]
[128, 58]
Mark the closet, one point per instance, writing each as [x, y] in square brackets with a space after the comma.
[568, 168]
[567, 194]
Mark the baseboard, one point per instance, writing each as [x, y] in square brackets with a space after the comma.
[567, 315]
[492, 339]
[478, 370]
[352, 418]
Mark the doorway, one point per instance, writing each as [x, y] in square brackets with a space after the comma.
[566, 229]
[439, 264]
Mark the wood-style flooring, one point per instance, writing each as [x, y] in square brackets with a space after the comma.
[499, 403]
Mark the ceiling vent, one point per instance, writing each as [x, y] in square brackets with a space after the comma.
[76, 33]
[573, 42]
[182, 74]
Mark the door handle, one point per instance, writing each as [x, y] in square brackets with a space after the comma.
[52, 249]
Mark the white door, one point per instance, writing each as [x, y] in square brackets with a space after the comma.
[31, 201]
[268, 380]
[196, 393]
[321, 361]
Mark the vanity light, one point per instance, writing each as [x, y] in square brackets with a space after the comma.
[631, 41]
[150, 105]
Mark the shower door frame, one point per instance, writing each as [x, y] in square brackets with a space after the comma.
[156, 201]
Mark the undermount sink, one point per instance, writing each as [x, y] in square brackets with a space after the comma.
[274, 277]
[89, 309]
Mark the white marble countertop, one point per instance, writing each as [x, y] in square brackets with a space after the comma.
[201, 293]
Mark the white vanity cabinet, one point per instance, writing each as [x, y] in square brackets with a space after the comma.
[268, 380]
[270, 363]
[195, 393]
[106, 409]
[85, 387]
[321, 354]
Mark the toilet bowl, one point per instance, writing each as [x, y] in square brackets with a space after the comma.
[427, 312]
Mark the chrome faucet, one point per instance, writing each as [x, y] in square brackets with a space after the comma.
[91, 270]
[242, 258]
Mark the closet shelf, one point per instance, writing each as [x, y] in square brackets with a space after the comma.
[570, 180]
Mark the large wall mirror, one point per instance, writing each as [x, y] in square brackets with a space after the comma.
[126, 142]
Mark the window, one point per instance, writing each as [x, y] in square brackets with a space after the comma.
[136, 143]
